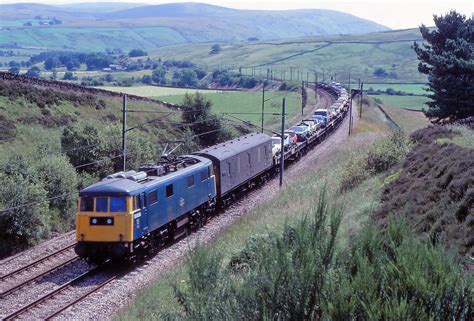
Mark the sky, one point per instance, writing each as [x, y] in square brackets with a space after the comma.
[395, 14]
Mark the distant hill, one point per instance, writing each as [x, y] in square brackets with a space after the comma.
[177, 23]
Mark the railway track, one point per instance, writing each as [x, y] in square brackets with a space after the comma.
[67, 295]
[13, 281]
[14, 257]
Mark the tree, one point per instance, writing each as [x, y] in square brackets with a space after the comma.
[137, 53]
[215, 49]
[146, 79]
[446, 58]
[185, 78]
[197, 113]
[159, 76]
[34, 72]
[51, 63]
[380, 72]
[23, 226]
[68, 75]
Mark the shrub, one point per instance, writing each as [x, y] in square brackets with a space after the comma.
[387, 153]
[285, 276]
[7, 129]
[23, 226]
[58, 177]
[380, 157]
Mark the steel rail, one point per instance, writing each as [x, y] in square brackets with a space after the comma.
[32, 264]
[21, 285]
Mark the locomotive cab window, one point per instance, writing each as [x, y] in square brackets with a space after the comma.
[101, 204]
[152, 197]
[118, 204]
[203, 175]
[87, 204]
[191, 181]
[169, 190]
[136, 202]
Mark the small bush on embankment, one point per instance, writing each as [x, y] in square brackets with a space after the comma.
[434, 191]
[300, 274]
[381, 156]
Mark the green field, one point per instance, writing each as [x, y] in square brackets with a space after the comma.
[406, 111]
[416, 89]
[155, 91]
[408, 102]
[250, 102]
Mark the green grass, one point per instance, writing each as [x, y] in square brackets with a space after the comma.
[91, 39]
[163, 93]
[409, 102]
[464, 139]
[417, 89]
[408, 120]
[251, 102]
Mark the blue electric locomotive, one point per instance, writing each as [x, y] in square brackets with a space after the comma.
[128, 212]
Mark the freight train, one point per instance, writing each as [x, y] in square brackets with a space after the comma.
[131, 213]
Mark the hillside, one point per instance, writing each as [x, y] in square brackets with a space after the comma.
[95, 28]
[359, 55]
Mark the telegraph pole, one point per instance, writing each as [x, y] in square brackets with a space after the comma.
[263, 102]
[350, 106]
[316, 87]
[124, 129]
[361, 96]
[282, 152]
[302, 98]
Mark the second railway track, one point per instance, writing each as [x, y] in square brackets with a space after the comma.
[66, 295]
[39, 268]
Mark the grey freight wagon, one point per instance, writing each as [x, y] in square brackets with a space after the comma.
[238, 161]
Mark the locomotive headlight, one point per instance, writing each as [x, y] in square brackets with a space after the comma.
[109, 221]
[94, 221]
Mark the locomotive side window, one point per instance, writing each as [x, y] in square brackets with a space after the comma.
[169, 190]
[152, 197]
[191, 181]
[118, 204]
[238, 164]
[101, 204]
[136, 202]
[203, 175]
[87, 204]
